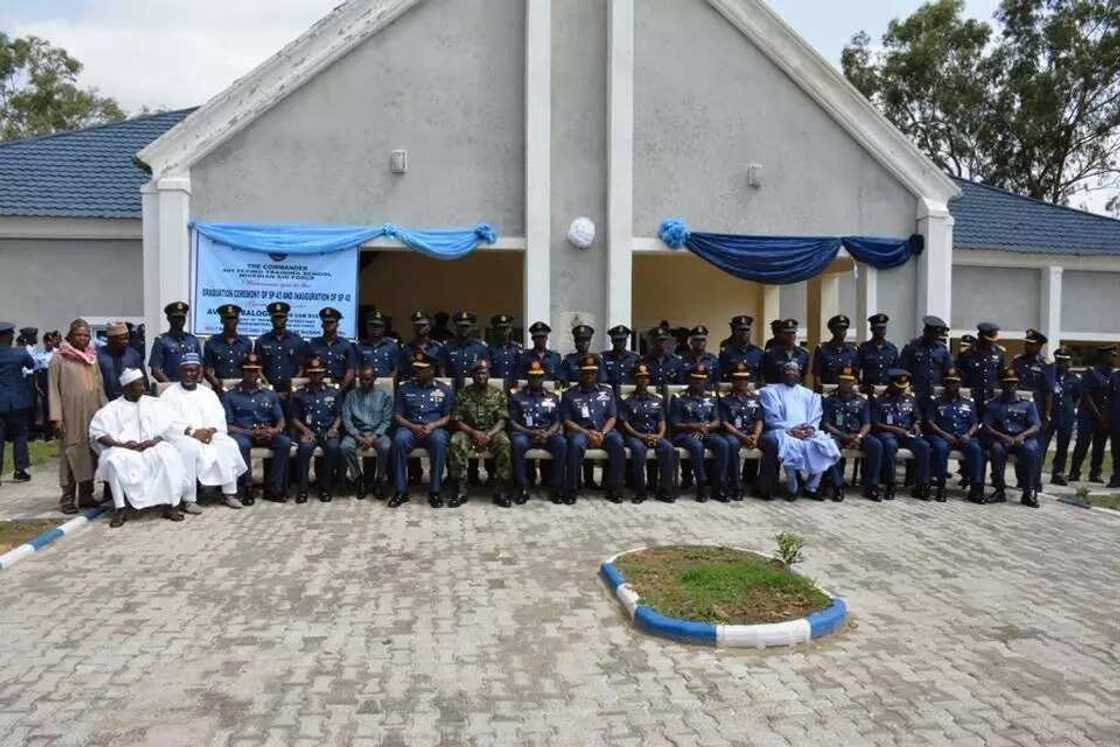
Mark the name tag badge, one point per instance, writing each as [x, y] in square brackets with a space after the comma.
[890, 418]
[738, 423]
[585, 411]
[529, 420]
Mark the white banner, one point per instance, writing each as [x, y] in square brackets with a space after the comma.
[308, 282]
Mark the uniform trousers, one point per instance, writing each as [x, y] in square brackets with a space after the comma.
[1088, 433]
[281, 447]
[872, 450]
[557, 447]
[1026, 462]
[14, 426]
[461, 448]
[616, 459]
[405, 441]
[332, 460]
[695, 445]
[1061, 450]
[973, 460]
[768, 465]
[918, 446]
[352, 453]
[734, 462]
[666, 463]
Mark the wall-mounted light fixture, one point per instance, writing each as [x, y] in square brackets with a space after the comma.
[398, 161]
[754, 175]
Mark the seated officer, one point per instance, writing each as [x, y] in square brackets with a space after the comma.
[694, 415]
[480, 421]
[741, 415]
[280, 351]
[897, 421]
[951, 423]
[378, 351]
[847, 418]
[739, 349]
[589, 415]
[422, 411]
[643, 422]
[570, 367]
[224, 353]
[316, 422]
[255, 418]
[534, 417]
[1012, 426]
[338, 355]
[833, 356]
[548, 359]
[461, 352]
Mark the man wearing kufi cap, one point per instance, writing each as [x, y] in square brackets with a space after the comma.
[338, 355]
[740, 349]
[665, 366]
[590, 415]
[1067, 394]
[897, 422]
[832, 356]
[422, 412]
[876, 356]
[847, 418]
[582, 334]
[210, 456]
[461, 352]
[981, 365]
[169, 347]
[280, 351]
[618, 362]
[255, 418]
[926, 358]
[784, 350]
[534, 417]
[1012, 425]
[548, 359]
[15, 400]
[317, 423]
[505, 352]
[377, 350]
[1036, 375]
[223, 353]
[1092, 416]
[421, 342]
[694, 417]
[952, 425]
[740, 414]
[115, 356]
[643, 422]
[132, 435]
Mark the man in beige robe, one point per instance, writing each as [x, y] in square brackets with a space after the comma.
[76, 393]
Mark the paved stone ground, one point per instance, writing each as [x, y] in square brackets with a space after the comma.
[349, 623]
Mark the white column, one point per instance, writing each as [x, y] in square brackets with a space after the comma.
[830, 299]
[620, 162]
[174, 252]
[153, 316]
[771, 310]
[935, 266]
[867, 299]
[1050, 306]
[538, 162]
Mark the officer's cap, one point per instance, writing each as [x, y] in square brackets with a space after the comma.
[420, 317]
[847, 373]
[840, 319]
[278, 308]
[229, 310]
[315, 365]
[741, 371]
[700, 372]
[741, 321]
[420, 359]
[1008, 374]
[1035, 337]
[375, 318]
[617, 331]
[178, 308]
[29, 331]
[662, 333]
[330, 314]
[642, 371]
[539, 329]
[988, 330]
[787, 325]
[535, 369]
[588, 363]
[968, 339]
[190, 359]
[934, 322]
[952, 375]
[1108, 350]
[7, 328]
[776, 325]
[583, 331]
[501, 320]
[465, 317]
[1063, 354]
[900, 377]
[699, 331]
[251, 363]
[878, 320]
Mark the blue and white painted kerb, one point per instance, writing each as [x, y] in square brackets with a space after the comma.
[38, 543]
[788, 633]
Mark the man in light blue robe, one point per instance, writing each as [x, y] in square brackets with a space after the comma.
[793, 416]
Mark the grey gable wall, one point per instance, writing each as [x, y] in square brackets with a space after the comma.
[445, 81]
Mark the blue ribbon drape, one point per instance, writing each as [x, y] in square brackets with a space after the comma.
[781, 260]
[295, 239]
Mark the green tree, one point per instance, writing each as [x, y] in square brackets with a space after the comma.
[1034, 108]
[39, 91]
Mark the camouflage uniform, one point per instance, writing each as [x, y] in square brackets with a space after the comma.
[480, 411]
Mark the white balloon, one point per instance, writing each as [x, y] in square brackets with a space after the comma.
[582, 233]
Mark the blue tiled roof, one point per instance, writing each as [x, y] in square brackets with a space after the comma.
[992, 218]
[82, 174]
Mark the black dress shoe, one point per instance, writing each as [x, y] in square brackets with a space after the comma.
[942, 497]
[379, 491]
[921, 492]
[976, 495]
[571, 498]
[301, 496]
[435, 500]
[638, 497]
[765, 495]
[360, 493]
[814, 495]
[21, 476]
[1114, 482]
[872, 494]
[719, 495]
[888, 492]
[1075, 477]
[325, 496]
[701, 494]
[501, 500]
[120, 516]
[838, 493]
[613, 495]
[736, 494]
[1029, 499]
[521, 497]
[664, 497]
[398, 499]
[557, 498]
[1058, 480]
[998, 496]
[1096, 478]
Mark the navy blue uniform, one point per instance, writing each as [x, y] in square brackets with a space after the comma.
[318, 410]
[569, 368]
[741, 412]
[874, 360]
[777, 356]
[431, 348]
[338, 356]
[549, 359]
[281, 358]
[849, 415]
[1013, 418]
[1067, 394]
[16, 403]
[665, 370]
[1036, 375]
[619, 369]
[225, 357]
[504, 360]
[980, 371]
[955, 417]
[421, 405]
[927, 363]
[168, 350]
[259, 407]
[1094, 386]
[459, 356]
[732, 355]
[383, 356]
[537, 411]
[901, 411]
[830, 359]
[703, 408]
[1114, 422]
[590, 408]
[690, 363]
[645, 413]
[112, 366]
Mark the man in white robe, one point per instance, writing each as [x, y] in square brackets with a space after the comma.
[204, 441]
[142, 468]
[793, 416]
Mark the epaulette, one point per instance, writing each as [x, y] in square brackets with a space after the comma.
[1001, 348]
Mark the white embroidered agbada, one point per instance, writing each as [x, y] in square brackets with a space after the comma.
[785, 407]
[154, 477]
[216, 463]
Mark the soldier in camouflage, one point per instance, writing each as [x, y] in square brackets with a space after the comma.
[480, 420]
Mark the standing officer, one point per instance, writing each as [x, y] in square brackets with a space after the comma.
[36, 380]
[534, 417]
[378, 351]
[589, 415]
[169, 348]
[570, 367]
[740, 414]
[833, 356]
[698, 357]
[1092, 416]
[421, 342]
[422, 411]
[280, 351]
[224, 353]
[643, 422]
[15, 400]
[480, 420]
[847, 418]
[981, 364]
[115, 357]
[316, 421]
[951, 423]
[337, 354]
[1114, 427]
[694, 416]
[1036, 375]
[505, 353]
[1067, 393]
[775, 330]
[255, 418]
[460, 353]
[784, 350]
[665, 366]
[897, 421]
[548, 359]
[876, 356]
[739, 349]
[927, 359]
[1012, 425]
[967, 342]
[619, 364]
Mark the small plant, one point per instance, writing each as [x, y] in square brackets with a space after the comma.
[789, 548]
[1083, 493]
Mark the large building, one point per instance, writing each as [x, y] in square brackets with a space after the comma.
[528, 114]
